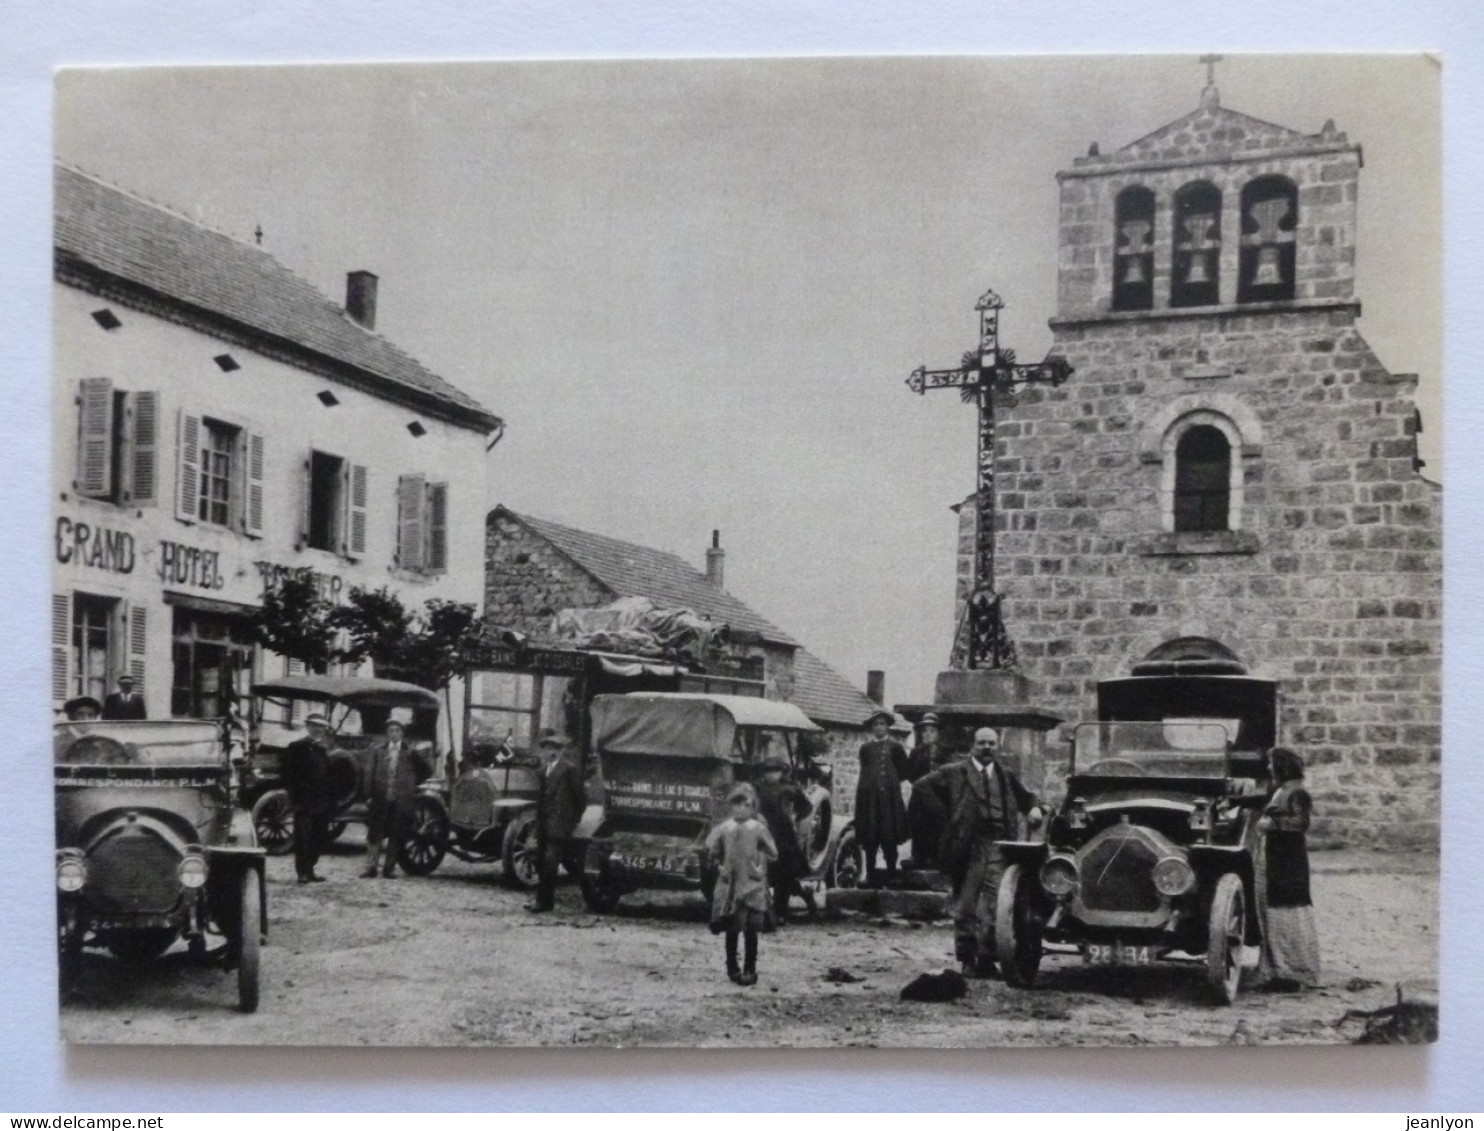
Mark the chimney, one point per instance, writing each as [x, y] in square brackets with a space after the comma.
[876, 687]
[360, 298]
[716, 560]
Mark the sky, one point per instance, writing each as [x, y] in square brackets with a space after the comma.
[694, 289]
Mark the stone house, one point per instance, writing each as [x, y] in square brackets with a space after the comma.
[1230, 466]
[534, 568]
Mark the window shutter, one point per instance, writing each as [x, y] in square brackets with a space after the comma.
[138, 616]
[61, 646]
[144, 441]
[437, 560]
[356, 524]
[187, 466]
[95, 437]
[293, 712]
[411, 503]
[252, 510]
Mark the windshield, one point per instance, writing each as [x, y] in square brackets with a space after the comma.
[110, 743]
[1172, 748]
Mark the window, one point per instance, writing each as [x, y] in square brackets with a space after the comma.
[1203, 459]
[335, 515]
[1269, 234]
[219, 474]
[94, 641]
[422, 525]
[1196, 266]
[117, 442]
[212, 660]
[1133, 258]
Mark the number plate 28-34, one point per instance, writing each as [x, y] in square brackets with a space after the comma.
[1116, 954]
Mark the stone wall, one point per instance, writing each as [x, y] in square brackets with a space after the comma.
[527, 580]
[1330, 581]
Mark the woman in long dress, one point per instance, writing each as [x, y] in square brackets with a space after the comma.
[1290, 942]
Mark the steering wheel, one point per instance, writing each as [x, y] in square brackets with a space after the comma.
[1114, 767]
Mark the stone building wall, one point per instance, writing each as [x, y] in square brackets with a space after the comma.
[1329, 581]
[527, 580]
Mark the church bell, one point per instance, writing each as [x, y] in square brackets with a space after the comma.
[1199, 271]
[1268, 273]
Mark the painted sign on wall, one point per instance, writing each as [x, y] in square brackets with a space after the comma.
[97, 547]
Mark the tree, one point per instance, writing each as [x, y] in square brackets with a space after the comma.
[428, 648]
[295, 621]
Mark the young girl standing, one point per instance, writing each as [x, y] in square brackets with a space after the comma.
[741, 846]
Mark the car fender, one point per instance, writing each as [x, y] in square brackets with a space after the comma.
[1028, 852]
[1211, 860]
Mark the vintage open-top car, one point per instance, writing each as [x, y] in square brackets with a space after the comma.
[358, 709]
[1154, 851]
[668, 761]
[150, 847]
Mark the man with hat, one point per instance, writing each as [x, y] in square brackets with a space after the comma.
[81, 709]
[782, 805]
[395, 773]
[559, 805]
[124, 703]
[880, 816]
[927, 755]
[306, 775]
[983, 800]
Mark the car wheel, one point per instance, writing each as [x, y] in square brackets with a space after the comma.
[849, 865]
[1225, 936]
[427, 841]
[70, 934]
[818, 844]
[250, 938]
[521, 855]
[273, 821]
[1017, 929]
[138, 947]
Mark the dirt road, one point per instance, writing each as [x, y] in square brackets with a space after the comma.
[455, 959]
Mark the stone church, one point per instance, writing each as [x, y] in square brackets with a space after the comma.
[1230, 472]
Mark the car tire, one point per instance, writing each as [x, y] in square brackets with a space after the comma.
[1226, 929]
[427, 841]
[1017, 929]
[520, 855]
[273, 821]
[848, 865]
[250, 939]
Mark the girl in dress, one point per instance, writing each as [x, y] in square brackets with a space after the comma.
[742, 847]
[1290, 943]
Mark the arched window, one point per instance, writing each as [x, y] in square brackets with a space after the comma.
[1269, 226]
[1196, 266]
[1203, 468]
[1133, 249]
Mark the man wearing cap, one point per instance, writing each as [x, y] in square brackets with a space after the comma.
[927, 755]
[880, 816]
[983, 800]
[782, 805]
[306, 775]
[559, 806]
[125, 703]
[396, 772]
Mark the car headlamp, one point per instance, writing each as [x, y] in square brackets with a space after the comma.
[1059, 876]
[191, 870]
[72, 870]
[1173, 876]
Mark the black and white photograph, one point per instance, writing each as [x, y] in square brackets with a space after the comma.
[913, 552]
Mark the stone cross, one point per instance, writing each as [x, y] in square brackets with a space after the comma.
[983, 375]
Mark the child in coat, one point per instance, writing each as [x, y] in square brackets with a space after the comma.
[741, 847]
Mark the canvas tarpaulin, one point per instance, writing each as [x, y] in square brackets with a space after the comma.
[635, 626]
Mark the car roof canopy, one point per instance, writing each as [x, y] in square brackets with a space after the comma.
[353, 691]
[685, 725]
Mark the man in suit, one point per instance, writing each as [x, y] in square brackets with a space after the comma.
[559, 806]
[396, 772]
[306, 776]
[983, 801]
[125, 703]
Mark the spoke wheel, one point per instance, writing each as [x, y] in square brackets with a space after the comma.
[249, 941]
[1017, 929]
[849, 865]
[273, 820]
[522, 855]
[1225, 932]
[427, 841]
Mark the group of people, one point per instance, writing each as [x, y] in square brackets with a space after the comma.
[125, 704]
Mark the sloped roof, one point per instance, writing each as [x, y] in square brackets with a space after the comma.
[103, 228]
[668, 580]
[1215, 133]
[825, 695]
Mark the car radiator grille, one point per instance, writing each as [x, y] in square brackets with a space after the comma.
[472, 803]
[134, 873]
[1117, 872]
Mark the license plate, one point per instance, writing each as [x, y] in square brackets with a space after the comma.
[1116, 954]
[637, 862]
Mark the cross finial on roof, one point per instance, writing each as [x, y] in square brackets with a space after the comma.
[1210, 97]
[257, 235]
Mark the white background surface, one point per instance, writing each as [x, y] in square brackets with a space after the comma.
[37, 1074]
